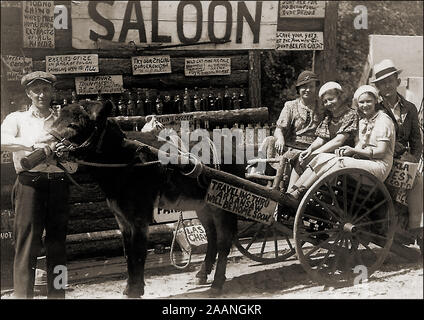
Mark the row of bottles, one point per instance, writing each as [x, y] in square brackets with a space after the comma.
[140, 102]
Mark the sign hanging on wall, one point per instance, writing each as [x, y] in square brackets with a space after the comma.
[207, 66]
[94, 84]
[165, 215]
[16, 66]
[151, 64]
[245, 24]
[78, 63]
[300, 25]
[38, 28]
[241, 202]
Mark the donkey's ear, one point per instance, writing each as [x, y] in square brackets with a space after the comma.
[98, 110]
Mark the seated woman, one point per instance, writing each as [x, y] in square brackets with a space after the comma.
[373, 151]
[296, 124]
[339, 127]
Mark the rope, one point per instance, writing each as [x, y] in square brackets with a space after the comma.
[171, 253]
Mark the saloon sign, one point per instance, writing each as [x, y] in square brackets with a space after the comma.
[244, 24]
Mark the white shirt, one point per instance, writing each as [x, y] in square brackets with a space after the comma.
[27, 128]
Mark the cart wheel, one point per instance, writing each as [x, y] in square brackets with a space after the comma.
[348, 223]
[265, 243]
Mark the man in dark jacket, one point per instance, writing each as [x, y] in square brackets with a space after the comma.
[408, 139]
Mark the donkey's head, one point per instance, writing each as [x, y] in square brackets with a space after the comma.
[86, 126]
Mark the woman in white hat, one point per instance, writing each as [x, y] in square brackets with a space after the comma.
[373, 151]
[339, 126]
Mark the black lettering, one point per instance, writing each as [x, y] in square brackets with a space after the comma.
[243, 12]
[155, 25]
[108, 25]
[180, 21]
[211, 19]
[138, 25]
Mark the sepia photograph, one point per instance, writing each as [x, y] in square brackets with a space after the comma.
[211, 157]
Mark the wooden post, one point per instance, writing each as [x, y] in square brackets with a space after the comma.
[254, 79]
[325, 60]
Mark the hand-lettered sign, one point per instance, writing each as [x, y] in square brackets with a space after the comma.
[151, 64]
[402, 174]
[38, 28]
[78, 63]
[296, 40]
[241, 202]
[244, 24]
[207, 66]
[6, 157]
[16, 66]
[94, 84]
[302, 9]
[164, 215]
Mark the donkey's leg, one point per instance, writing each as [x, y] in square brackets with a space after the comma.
[211, 251]
[226, 228]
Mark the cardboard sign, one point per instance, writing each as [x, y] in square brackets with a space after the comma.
[196, 234]
[6, 157]
[401, 197]
[165, 215]
[293, 40]
[246, 24]
[207, 66]
[106, 84]
[38, 28]
[302, 9]
[241, 202]
[151, 64]
[16, 67]
[78, 63]
[402, 174]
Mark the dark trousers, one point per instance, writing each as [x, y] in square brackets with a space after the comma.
[41, 202]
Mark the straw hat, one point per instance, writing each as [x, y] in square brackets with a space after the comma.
[384, 69]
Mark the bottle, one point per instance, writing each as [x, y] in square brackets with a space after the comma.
[242, 98]
[235, 101]
[159, 106]
[99, 96]
[227, 99]
[187, 104]
[131, 109]
[196, 100]
[206, 124]
[211, 100]
[148, 108]
[65, 102]
[167, 105]
[74, 98]
[139, 103]
[267, 129]
[204, 102]
[219, 102]
[178, 104]
[122, 107]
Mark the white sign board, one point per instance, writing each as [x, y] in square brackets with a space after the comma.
[302, 9]
[245, 24]
[241, 202]
[402, 174]
[94, 84]
[16, 66]
[151, 64]
[299, 40]
[6, 157]
[207, 66]
[77, 63]
[37, 19]
[165, 215]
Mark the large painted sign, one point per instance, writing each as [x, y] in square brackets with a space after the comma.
[245, 24]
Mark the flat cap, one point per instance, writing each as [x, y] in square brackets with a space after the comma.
[37, 75]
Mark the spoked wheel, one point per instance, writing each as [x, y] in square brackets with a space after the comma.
[265, 243]
[348, 223]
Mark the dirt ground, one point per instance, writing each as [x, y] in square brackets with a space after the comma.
[246, 279]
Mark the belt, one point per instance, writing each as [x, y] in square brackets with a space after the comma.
[43, 175]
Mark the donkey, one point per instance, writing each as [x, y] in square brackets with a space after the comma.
[133, 191]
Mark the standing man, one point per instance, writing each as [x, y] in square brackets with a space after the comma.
[408, 140]
[40, 194]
